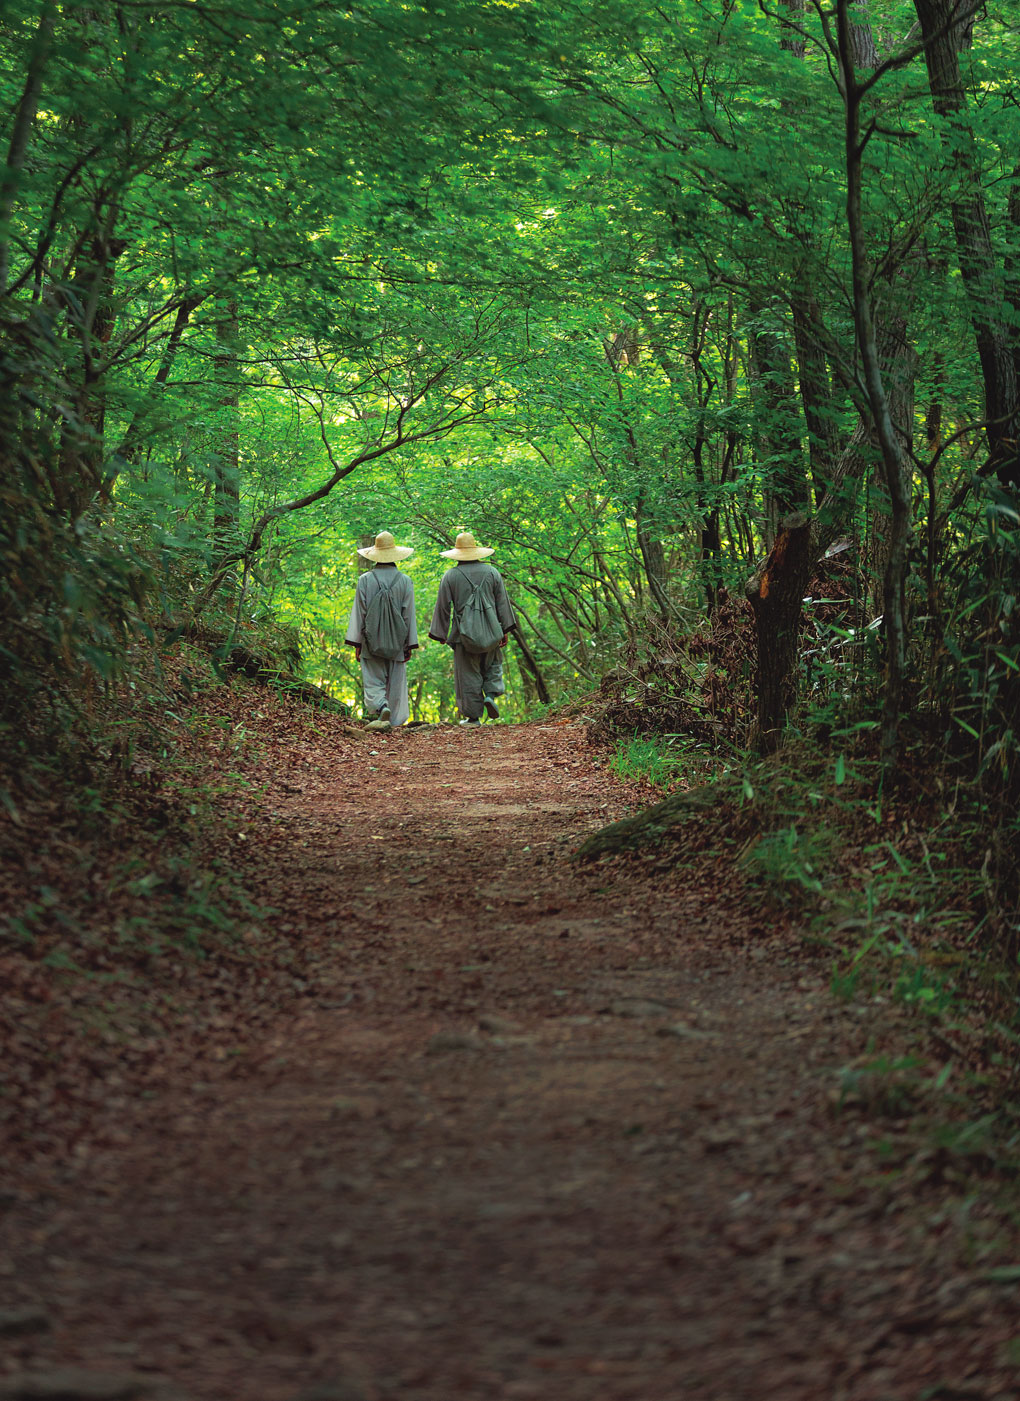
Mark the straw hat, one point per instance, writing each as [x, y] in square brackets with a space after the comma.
[467, 547]
[386, 550]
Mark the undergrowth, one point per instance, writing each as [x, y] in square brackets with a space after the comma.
[125, 904]
[908, 888]
[662, 760]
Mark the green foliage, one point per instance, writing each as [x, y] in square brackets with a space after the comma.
[555, 289]
[578, 280]
[976, 672]
[884, 1087]
[897, 883]
[790, 862]
[657, 759]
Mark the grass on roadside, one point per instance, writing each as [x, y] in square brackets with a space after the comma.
[666, 761]
[908, 888]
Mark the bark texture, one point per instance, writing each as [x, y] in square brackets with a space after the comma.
[784, 488]
[982, 276]
[775, 592]
[895, 471]
[227, 459]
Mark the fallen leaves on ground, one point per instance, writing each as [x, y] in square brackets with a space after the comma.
[442, 1112]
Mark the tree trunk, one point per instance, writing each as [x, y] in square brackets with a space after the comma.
[815, 392]
[227, 451]
[653, 558]
[363, 565]
[982, 277]
[898, 363]
[704, 384]
[92, 313]
[623, 349]
[529, 668]
[893, 460]
[1013, 264]
[131, 443]
[776, 592]
[24, 118]
[783, 484]
[711, 539]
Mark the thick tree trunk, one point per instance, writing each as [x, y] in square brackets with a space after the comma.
[783, 483]
[893, 459]
[776, 592]
[862, 39]
[1013, 265]
[92, 313]
[982, 277]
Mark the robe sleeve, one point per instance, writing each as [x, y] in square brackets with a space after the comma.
[504, 611]
[355, 636]
[408, 611]
[439, 628]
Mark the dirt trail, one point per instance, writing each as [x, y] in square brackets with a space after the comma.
[541, 1131]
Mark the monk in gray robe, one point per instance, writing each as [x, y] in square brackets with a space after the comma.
[384, 679]
[477, 676]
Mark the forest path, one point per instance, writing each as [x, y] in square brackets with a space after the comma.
[541, 1131]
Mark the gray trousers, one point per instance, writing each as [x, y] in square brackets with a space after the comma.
[385, 683]
[476, 674]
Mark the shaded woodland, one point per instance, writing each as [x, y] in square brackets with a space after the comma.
[706, 316]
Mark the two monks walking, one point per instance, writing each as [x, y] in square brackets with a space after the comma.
[472, 614]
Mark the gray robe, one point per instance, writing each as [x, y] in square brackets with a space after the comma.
[384, 681]
[474, 676]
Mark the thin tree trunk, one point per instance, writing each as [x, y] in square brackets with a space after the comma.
[24, 118]
[898, 364]
[815, 392]
[530, 668]
[623, 349]
[362, 565]
[227, 453]
[131, 443]
[653, 557]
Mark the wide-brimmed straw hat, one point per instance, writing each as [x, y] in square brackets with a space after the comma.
[386, 550]
[467, 547]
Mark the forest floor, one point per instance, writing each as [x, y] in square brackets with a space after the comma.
[520, 1128]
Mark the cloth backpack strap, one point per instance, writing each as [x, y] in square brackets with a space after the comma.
[473, 594]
